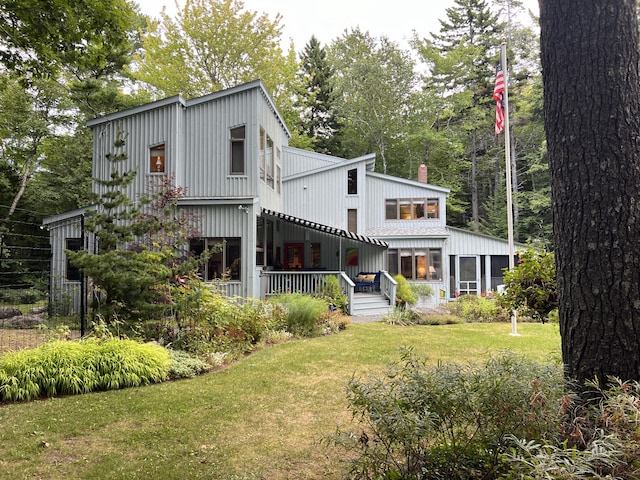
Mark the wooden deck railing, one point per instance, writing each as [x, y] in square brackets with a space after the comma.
[277, 282]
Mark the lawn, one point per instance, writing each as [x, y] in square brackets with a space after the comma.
[263, 417]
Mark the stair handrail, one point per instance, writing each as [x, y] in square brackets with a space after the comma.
[348, 288]
[388, 287]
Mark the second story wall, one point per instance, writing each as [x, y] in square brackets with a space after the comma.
[399, 203]
[149, 131]
[224, 145]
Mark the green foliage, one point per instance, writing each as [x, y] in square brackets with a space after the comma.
[421, 289]
[22, 296]
[330, 291]
[449, 421]
[138, 251]
[95, 34]
[185, 365]
[208, 321]
[62, 368]
[478, 309]
[304, 313]
[599, 437]
[213, 45]
[406, 317]
[404, 293]
[531, 286]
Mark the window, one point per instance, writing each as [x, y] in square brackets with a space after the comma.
[270, 161]
[352, 181]
[237, 150]
[269, 173]
[411, 208]
[352, 220]
[261, 159]
[315, 255]
[156, 159]
[433, 208]
[224, 257]
[72, 273]
[416, 263]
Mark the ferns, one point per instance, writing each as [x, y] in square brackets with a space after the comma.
[63, 368]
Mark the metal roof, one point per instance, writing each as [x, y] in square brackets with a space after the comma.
[338, 232]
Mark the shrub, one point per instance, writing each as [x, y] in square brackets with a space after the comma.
[304, 313]
[599, 438]
[404, 294]
[531, 287]
[61, 368]
[421, 290]
[21, 296]
[478, 309]
[185, 365]
[449, 421]
[411, 317]
[209, 321]
[331, 292]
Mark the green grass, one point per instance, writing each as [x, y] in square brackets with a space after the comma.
[264, 416]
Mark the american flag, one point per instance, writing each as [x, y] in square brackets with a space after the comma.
[498, 94]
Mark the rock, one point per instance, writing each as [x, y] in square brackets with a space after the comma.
[8, 312]
[23, 321]
[37, 310]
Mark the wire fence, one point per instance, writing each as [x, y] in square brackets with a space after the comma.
[25, 255]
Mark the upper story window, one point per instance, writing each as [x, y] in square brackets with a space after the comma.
[352, 181]
[411, 208]
[237, 151]
[268, 159]
[157, 159]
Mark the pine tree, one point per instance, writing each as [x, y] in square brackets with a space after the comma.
[318, 120]
[462, 59]
[137, 255]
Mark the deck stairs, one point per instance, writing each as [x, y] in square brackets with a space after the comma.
[370, 303]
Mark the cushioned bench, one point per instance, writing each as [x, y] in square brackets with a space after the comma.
[367, 281]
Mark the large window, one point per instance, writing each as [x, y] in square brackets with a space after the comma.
[416, 263]
[156, 159]
[237, 150]
[72, 273]
[411, 208]
[224, 257]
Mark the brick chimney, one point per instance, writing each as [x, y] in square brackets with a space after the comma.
[422, 173]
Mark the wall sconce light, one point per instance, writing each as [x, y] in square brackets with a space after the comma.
[244, 208]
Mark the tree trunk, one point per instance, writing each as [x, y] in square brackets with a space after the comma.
[589, 53]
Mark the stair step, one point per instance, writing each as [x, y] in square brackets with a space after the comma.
[370, 304]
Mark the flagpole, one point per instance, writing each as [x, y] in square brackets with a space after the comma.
[507, 156]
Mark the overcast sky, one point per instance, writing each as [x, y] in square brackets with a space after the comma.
[327, 19]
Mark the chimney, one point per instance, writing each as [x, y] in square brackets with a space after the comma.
[422, 173]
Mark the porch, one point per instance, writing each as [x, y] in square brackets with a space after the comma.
[307, 281]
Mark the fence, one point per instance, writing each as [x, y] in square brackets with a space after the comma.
[24, 283]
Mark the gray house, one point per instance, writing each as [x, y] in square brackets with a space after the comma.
[285, 217]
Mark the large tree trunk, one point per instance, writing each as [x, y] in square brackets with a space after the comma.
[589, 53]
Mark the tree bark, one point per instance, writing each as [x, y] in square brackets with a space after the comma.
[589, 54]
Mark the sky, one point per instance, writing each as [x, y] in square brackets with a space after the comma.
[328, 19]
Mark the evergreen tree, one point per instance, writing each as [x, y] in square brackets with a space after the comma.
[462, 59]
[137, 255]
[314, 104]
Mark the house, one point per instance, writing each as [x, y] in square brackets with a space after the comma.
[285, 217]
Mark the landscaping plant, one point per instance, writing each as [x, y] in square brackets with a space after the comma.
[449, 421]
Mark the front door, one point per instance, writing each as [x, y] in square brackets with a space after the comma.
[294, 256]
[469, 281]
